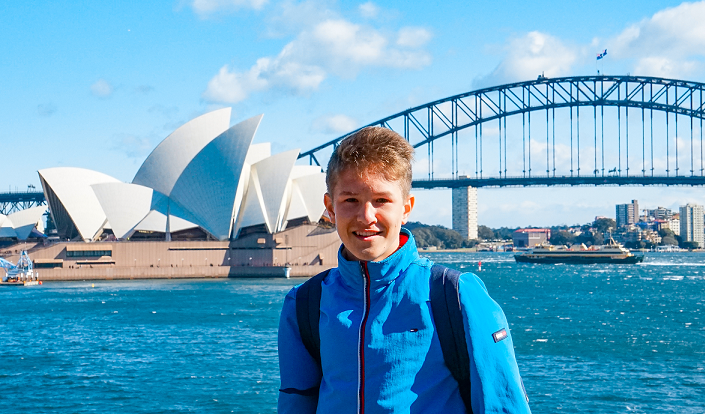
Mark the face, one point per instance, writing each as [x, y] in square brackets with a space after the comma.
[368, 213]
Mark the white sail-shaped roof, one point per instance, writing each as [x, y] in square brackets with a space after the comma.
[312, 188]
[297, 206]
[24, 221]
[131, 207]
[6, 228]
[252, 211]
[125, 205]
[72, 200]
[304, 170]
[156, 221]
[163, 167]
[203, 174]
[256, 152]
[208, 185]
[273, 174]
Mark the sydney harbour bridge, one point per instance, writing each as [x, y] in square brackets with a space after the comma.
[580, 130]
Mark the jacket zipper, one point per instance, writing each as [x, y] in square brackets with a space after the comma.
[361, 336]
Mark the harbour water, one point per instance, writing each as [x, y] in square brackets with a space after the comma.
[588, 338]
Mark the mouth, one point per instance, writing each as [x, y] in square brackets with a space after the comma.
[366, 234]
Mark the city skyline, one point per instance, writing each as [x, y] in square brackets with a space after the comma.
[99, 87]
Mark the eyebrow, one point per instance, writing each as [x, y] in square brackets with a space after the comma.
[382, 193]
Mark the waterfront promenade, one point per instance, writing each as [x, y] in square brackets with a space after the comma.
[300, 251]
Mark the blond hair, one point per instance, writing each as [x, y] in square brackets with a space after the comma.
[373, 150]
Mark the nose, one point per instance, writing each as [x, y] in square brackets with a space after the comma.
[368, 214]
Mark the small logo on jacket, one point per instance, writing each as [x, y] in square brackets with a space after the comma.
[499, 335]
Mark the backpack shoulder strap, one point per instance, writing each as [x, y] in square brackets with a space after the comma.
[448, 317]
[308, 313]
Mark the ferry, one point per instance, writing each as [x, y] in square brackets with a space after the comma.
[21, 274]
[612, 252]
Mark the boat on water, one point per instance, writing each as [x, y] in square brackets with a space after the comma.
[20, 274]
[612, 252]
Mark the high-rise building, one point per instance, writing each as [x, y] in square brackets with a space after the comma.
[675, 225]
[627, 213]
[465, 212]
[691, 216]
[659, 213]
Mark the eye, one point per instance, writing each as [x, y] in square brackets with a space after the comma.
[383, 200]
[350, 200]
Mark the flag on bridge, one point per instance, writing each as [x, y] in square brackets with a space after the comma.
[602, 55]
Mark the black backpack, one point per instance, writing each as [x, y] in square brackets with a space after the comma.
[447, 315]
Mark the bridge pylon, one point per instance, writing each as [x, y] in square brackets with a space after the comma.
[464, 213]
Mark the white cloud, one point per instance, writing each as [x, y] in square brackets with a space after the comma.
[676, 31]
[332, 46]
[231, 87]
[334, 124]
[102, 89]
[531, 55]
[368, 10]
[413, 37]
[669, 44]
[206, 8]
[665, 67]
[292, 17]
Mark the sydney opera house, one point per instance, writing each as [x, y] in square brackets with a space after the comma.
[205, 202]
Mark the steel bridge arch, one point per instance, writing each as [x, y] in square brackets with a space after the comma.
[466, 110]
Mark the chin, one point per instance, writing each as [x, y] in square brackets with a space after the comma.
[372, 256]
[364, 254]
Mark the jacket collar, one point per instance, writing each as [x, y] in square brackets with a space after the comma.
[381, 273]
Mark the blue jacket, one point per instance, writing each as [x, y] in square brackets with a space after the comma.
[379, 349]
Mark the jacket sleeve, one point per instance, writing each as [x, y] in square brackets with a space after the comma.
[494, 375]
[299, 372]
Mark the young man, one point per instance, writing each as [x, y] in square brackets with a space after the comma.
[379, 351]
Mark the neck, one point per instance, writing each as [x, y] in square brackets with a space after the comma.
[403, 238]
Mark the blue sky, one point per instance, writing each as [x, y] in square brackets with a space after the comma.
[99, 84]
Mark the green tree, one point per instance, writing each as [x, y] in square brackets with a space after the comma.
[504, 233]
[427, 236]
[562, 237]
[664, 232]
[485, 233]
[598, 239]
[590, 238]
[690, 245]
[603, 225]
[669, 240]
[450, 239]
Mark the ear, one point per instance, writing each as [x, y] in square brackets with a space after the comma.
[328, 202]
[408, 206]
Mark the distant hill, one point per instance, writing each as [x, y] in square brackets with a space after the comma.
[438, 236]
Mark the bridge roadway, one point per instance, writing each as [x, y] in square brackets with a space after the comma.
[560, 181]
[17, 197]
[20, 200]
